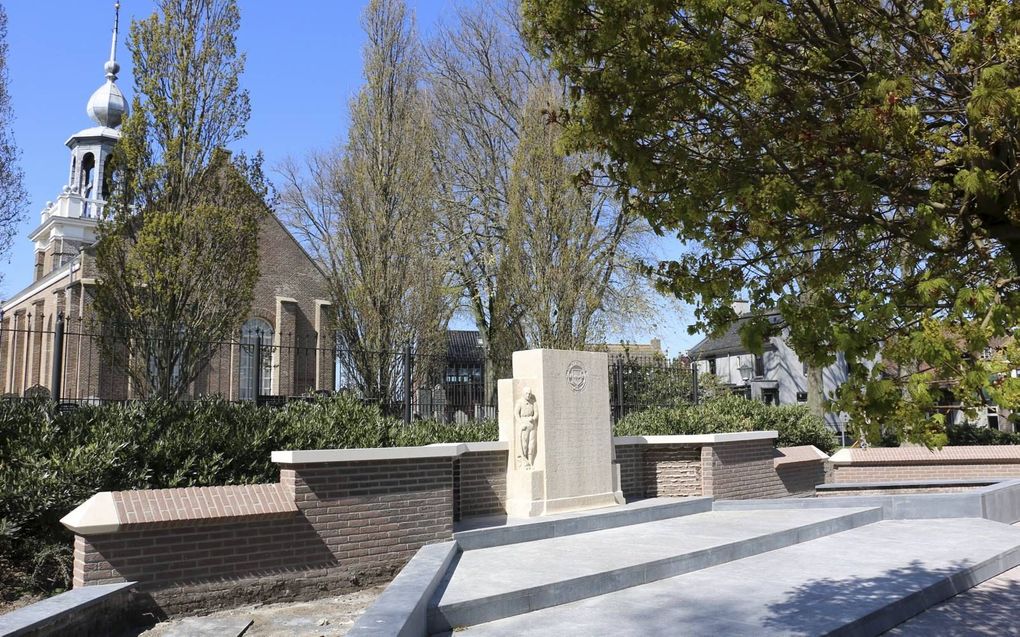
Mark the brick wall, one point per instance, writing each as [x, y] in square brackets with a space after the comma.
[725, 469]
[344, 519]
[375, 515]
[740, 470]
[672, 471]
[917, 463]
[630, 458]
[325, 528]
[801, 478]
[480, 484]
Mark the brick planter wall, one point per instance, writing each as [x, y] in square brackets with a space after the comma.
[895, 464]
[481, 484]
[327, 527]
[724, 466]
[343, 519]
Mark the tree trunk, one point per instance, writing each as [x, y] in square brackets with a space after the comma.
[815, 396]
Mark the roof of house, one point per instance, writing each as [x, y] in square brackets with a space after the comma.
[729, 342]
[463, 342]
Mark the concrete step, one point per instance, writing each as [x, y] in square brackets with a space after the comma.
[860, 582]
[480, 533]
[503, 581]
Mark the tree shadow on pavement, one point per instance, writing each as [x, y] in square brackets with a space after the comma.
[821, 605]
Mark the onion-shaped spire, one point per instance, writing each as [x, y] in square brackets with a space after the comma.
[108, 106]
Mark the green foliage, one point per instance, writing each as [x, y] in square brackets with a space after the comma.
[51, 462]
[13, 196]
[853, 168]
[730, 414]
[177, 254]
[970, 435]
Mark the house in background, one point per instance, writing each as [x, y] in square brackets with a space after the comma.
[289, 313]
[776, 377]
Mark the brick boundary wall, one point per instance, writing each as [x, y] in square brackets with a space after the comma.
[480, 484]
[724, 466]
[343, 519]
[328, 526]
[893, 464]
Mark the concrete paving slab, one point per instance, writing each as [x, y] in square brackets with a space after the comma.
[859, 582]
[484, 532]
[501, 581]
[990, 608]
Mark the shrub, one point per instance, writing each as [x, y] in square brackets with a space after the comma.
[970, 435]
[728, 414]
[50, 461]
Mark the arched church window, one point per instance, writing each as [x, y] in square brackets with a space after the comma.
[88, 167]
[74, 169]
[255, 381]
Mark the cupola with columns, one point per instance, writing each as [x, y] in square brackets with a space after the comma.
[69, 223]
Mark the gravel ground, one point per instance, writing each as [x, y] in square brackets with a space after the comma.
[327, 617]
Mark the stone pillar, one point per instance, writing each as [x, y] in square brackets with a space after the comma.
[90, 360]
[6, 337]
[284, 346]
[325, 343]
[555, 415]
[20, 348]
[72, 343]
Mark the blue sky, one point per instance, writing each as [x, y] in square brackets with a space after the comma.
[304, 64]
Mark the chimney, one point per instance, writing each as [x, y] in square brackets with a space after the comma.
[741, 307]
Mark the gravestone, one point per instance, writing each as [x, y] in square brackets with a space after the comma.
[554, 413]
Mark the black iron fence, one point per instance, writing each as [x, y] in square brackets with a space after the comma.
[75, 362]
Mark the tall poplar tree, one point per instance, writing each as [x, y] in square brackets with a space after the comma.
[178, 257]
[13, 197]
[367, 211]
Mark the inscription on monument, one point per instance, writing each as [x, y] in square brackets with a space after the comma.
[577, 375]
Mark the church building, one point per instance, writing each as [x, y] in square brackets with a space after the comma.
[289, 315]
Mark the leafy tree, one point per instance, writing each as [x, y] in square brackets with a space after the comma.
[851, 163]
[178, 258]
[13, 197]
[367, 211]
[544, 260]
[572, 259]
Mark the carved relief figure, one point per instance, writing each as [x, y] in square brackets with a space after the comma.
[526, 419]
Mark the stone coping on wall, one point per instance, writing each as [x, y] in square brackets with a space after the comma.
[978, 454]
[909, 484]
[699, 439]
[107, 512]
[70, 612]
[441, 450]
[798, 455]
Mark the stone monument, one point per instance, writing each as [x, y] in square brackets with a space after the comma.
[554, 413]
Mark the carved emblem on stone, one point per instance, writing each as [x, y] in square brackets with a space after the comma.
[526, 421]
[577, 375]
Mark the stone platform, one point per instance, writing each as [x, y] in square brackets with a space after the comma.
[513, 579]
[862, 581]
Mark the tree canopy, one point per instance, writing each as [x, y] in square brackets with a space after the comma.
[851, 163]
[367, 210]
[178, 254]
[13, 197]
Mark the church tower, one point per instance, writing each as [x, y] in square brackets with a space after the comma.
[69, 223]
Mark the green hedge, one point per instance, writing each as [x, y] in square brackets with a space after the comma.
[727, 414]
[51, 462]
[970, 435]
